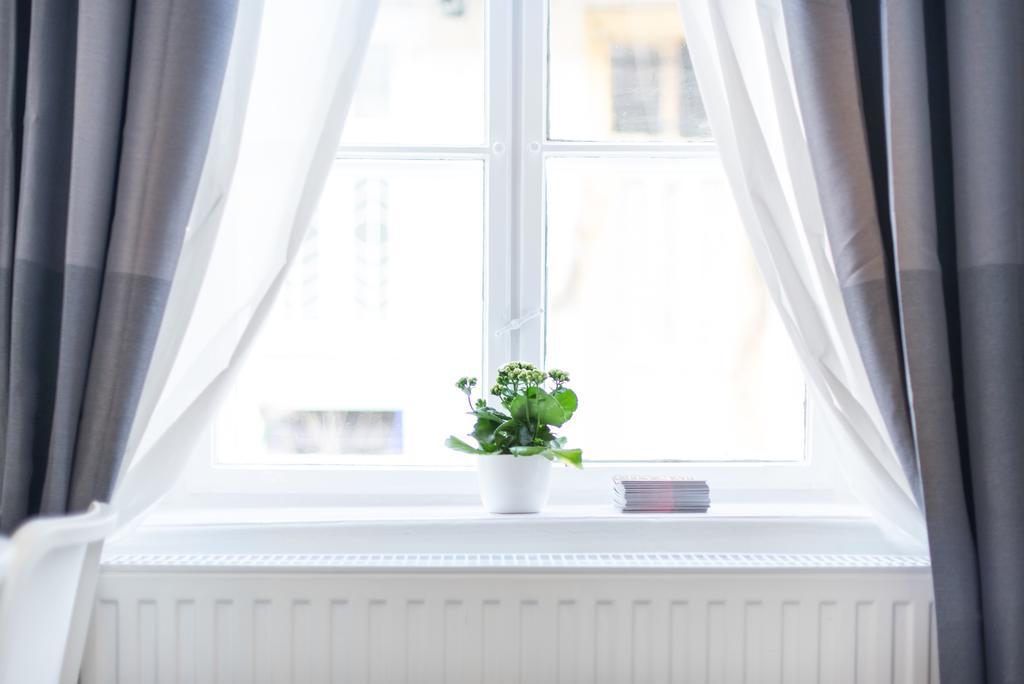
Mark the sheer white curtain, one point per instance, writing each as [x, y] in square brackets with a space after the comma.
[741, 60]
[291, 76]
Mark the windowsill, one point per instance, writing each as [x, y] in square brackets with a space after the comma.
[308, 531]
[429, 515]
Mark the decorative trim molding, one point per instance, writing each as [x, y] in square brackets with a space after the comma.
[512, 561]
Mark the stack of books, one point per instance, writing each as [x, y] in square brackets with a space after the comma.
[661, 495]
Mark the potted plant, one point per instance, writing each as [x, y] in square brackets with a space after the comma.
[517, 446]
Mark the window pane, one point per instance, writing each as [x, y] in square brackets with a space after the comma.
[621, 71]
[657, 309]
[379, 316]
[423, 79]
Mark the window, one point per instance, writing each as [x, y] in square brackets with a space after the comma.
[621, 71]
[529, 181]
[635, 89]
[693, 121]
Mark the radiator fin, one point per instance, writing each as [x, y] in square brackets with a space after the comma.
[169, 623]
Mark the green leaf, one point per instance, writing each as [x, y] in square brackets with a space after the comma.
[483, 430]
[520, 409]
[488, 413]
[505, 435]
[567, 399]
[484, 434]
[527, 450]
[537, 406]
[573, 457]
[507, 429]
[458, 445]
[524, 436]
[547, 409]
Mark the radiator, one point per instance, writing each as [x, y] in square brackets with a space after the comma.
[538, 618]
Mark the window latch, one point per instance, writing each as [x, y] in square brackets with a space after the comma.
[517, 323]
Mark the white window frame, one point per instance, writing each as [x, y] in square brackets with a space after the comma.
[514, 299]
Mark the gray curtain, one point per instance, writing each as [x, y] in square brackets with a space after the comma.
[106, 108]
[914, 114]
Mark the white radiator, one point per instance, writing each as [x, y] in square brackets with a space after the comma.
[613, 618]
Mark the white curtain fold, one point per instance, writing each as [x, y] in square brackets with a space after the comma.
[741, 60]
[291, 77]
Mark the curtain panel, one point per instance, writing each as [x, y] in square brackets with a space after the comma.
[741, 58]
[106, 109]
[290, 82]
[914, 117]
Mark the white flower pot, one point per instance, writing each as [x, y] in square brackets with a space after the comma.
[513, 484]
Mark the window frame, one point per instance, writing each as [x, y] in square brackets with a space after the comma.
[514, 155]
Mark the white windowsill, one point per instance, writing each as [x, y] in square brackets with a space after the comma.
[460, 514]
[296, 532]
